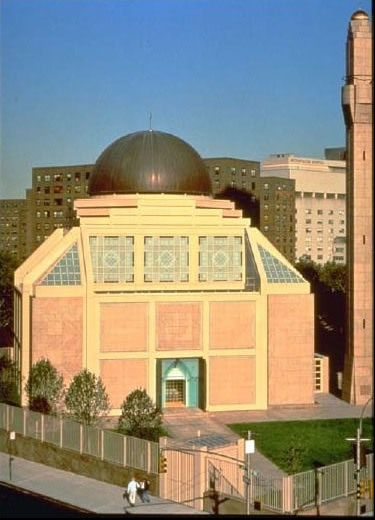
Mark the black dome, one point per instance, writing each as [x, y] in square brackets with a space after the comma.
[149, 162]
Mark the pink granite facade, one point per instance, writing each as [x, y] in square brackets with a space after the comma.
[57, 327]
[290, 349]
[121, 376]
[123, 327]
[232, 325]
[179, 326]
[224, 371]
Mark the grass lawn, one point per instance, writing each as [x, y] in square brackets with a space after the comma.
[323, 440]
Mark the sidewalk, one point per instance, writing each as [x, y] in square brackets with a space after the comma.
[81, 492]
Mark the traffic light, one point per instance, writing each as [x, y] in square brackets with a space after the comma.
[162, 464]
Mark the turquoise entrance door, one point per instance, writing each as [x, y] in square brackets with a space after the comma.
[179, 382]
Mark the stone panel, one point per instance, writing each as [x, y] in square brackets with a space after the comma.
[290, 349]
[178, 326]
[232, 325]
[57, 329]
[123, 327]
[121, 376]
[232, 380]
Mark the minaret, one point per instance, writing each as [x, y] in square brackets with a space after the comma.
[357, 109]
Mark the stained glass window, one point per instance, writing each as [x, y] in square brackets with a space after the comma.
[112, 259]
[276, 271]
[220, 258]
[66, 271]
[166, 259]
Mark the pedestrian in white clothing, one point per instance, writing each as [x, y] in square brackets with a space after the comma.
[132, 491]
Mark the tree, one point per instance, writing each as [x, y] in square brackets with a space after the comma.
[9, 377]
[140, 417]
[86, 399]
[8, 264]
[334, 276]
[44, 387]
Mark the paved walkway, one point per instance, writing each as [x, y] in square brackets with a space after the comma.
[186, 424]
[85, 493]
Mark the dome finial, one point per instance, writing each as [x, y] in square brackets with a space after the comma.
[150, 121]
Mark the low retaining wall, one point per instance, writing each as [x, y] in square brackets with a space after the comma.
[86, 465]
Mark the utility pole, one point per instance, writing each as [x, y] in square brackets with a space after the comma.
[358, 441]
[249, 448]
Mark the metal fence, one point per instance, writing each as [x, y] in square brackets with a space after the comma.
[328, 483]
[65, 433]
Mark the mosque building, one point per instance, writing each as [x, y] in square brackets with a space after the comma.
[163, 287]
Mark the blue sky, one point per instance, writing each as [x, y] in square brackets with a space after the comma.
[235, 78]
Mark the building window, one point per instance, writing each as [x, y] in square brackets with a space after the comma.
[308, 211]
[266, 186]
[38, 178]
[77, 189]
[58, 214]
[319, 212]
[308, 221]
[319, 195]
[341, 196]
[220, 258]
[166, 259]
[252, 173]
[253, 185]
[66, 271]
[46, 213]
[47, 190]
[112, 258]
[57, 177]
[47, 178]
[68, 176]
[276, 271]
[243, 172]
[330, 195]
[46, 202]
[87, 175]
[330, 222]
[77, 177]
[58, 189]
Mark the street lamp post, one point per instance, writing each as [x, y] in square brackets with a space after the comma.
[358, 441]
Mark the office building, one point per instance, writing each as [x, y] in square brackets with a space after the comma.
[319, 205]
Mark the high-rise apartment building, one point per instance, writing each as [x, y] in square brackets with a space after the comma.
[274, 198]
[54, 189]
[357, 108]
[13, 227]
[319, 205]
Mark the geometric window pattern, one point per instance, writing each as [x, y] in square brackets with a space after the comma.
[112, 259]
[276, 271]
[220, 258]
[166, 259]
[66, 271]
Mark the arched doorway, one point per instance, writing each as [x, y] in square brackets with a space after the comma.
[179, 383]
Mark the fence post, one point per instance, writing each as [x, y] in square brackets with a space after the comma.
[346, 478]
[124, 448]
[42, 427]
[80, 439]
[102, 444]
[61, 432]
[148, 456]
